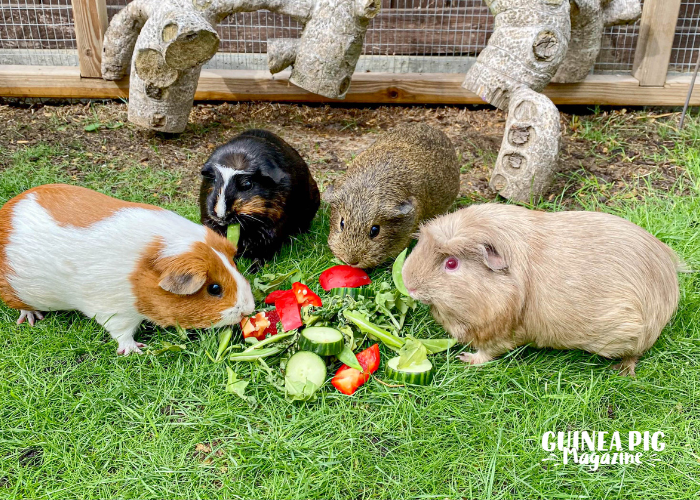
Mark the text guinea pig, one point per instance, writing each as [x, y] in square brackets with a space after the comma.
[260, 182]
[407, 176]
[69, 248]
[501, 276]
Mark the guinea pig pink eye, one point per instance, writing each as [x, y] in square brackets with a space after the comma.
[451, 263]
[214, 289]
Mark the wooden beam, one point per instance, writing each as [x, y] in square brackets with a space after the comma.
[90, 25]
[395, 88]
[656, 32]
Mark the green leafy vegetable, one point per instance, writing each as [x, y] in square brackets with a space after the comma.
[413, 352]
[396, 272]
[224, 340]
[234, 234]
[92, 127]
[168, 347]
[237, 386]
[271, 340]
[297, 390]
[254, 355]
[348, 357]
[435, 346]
[267, 283]
[361, 321]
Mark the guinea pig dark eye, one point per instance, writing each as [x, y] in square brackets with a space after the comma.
[451, 263]
[244, 184]
[342, 223]
[215, 290]
[373, 231]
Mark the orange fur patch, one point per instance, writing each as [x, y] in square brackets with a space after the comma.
[78, 206]
[199, 310]
[258, 206]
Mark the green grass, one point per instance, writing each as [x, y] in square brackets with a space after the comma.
[76, 421]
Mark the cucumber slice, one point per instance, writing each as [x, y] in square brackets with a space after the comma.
[417, 374]
[321, 340]
[345, 292]
[306, 366]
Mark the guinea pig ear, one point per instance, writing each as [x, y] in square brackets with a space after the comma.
[406, 208]
[273, 172]
[492, 259]
[330, 195]
[182, 283]
[208, 172]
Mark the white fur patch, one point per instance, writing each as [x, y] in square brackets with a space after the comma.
[87, 268]
[226, 175]
[245, 303]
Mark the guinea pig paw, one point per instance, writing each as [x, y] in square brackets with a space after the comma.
[474, 358]
[30, 316]
[125, 348]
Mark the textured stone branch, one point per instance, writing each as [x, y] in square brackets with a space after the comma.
[527, 160]
[535, 42]
[167, 42]
[528, 43]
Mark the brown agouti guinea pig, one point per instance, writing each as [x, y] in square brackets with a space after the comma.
[407, 176]
[501, 276]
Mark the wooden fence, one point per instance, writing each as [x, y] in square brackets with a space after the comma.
[648, 83]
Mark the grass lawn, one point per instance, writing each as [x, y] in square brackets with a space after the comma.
[77, 421]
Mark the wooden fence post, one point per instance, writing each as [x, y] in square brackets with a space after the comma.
[656, 31]
[90, 17]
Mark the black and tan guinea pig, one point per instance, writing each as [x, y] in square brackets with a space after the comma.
[260, 182]
[69, 248]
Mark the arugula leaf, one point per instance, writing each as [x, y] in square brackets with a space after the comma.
[296, 390]
[412, 352]
[237, 386]
[168, 347]
[267, 283]
[348, 357]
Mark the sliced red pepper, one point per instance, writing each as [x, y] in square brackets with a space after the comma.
[305, 296]
[273, 296]
[343, 277]
[273, 318]
[288, 310]
[260, 325]
[369, 359]
[347, 380]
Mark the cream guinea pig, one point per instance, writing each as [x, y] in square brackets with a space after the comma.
[69, 248]
[501, 276]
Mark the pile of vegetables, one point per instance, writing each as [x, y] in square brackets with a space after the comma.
[306, 334]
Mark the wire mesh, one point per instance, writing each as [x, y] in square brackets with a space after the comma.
[686, 43]
[407, 36]
[37, 32]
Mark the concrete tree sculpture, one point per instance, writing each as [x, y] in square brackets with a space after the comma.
[535, 42]
[165, 43]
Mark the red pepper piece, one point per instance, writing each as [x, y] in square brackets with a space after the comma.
[288, 310]
[273, 296]
[273, 318]
[343, 277]
[305, 296]
[347, 380]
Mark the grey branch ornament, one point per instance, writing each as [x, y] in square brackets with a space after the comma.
[535, 42]
[164, 43]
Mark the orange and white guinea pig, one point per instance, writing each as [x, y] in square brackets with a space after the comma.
[69, 248]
